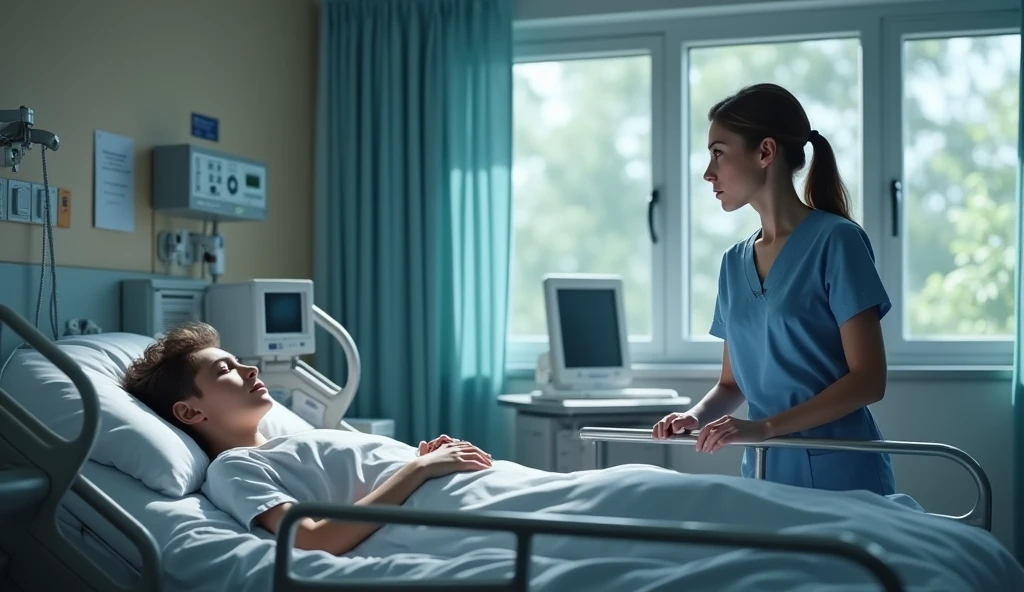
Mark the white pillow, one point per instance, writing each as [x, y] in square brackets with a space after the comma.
[132, 437]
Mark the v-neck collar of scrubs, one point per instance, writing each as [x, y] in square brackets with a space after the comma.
[784, 257]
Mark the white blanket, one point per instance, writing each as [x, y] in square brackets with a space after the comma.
[205, 550]
[930, 553]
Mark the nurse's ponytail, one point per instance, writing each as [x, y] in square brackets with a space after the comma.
[824, 189]
[770, 111]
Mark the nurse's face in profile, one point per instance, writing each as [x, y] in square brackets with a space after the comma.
[735, 172]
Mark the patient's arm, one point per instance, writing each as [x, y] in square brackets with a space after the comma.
[338, 537]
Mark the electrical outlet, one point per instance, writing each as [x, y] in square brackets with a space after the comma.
[3, 199]
[81, 327]
[39, 204]
[175, 247]
[19, 201]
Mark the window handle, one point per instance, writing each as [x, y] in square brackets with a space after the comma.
[896, 191]
[653, 201]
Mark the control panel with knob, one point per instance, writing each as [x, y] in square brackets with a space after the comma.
[195, 182]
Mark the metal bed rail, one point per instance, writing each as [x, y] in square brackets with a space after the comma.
[56, 465]
[864, 553]
[980, 515]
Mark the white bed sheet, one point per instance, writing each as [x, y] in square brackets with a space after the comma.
[204, 549]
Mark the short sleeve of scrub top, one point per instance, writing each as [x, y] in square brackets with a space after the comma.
[718, 322]
[785, 345]
[850, 277]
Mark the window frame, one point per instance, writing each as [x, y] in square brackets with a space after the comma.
[878, 26]
[524, 351]
[895, 31]
[686, 347]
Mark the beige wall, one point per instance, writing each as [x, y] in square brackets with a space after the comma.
[139, 69]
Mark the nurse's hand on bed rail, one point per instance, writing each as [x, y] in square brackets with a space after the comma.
[674, 424]
[713, 436]
[452, 457]
[729, 429]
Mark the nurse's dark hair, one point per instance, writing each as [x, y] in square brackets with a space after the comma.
[769, 111]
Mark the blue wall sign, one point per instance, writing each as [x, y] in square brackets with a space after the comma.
[205, 127]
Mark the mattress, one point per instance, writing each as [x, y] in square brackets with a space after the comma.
[204, 549]
[75, 515]
[96, 549]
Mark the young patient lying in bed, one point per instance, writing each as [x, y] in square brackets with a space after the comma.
[189, 381]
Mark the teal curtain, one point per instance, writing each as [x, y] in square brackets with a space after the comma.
[1018, 357]
[413, 208]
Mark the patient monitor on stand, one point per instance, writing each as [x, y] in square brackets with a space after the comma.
[270, 324]
[589, 342]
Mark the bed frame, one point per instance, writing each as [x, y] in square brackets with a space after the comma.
[980, 515]
[38, 467]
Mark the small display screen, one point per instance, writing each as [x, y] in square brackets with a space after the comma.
[590, 328]
[283, 312]
[252, 181]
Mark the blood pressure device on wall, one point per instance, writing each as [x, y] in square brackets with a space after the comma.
[194, 182]
[270, 323]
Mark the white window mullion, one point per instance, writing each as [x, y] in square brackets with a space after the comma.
[661, 253]
[888, 98]
[697, 346]
[674, 245]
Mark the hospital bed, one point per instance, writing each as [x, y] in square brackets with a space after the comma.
[97, 493]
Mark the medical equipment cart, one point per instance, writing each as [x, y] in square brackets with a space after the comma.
[547, 432]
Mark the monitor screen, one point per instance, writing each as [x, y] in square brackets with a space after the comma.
[283, 312]
[590, 328]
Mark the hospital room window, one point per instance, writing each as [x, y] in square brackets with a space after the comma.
[960, 97]
[825, 75]
[582, 176]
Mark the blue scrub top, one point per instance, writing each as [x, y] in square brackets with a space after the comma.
[785, 346]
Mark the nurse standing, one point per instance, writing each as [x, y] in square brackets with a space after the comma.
[799, 304]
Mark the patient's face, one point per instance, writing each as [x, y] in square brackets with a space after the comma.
[233, 398]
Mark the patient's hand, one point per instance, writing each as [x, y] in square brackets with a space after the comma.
[453, 457]
[427, 447]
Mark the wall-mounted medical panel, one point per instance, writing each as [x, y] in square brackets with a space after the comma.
[195, 182]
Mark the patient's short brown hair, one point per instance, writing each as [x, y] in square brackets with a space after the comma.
[166, 372]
